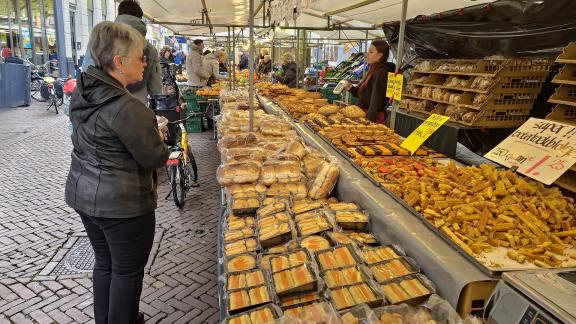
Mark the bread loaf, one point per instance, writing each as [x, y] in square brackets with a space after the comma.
[237, 173]
[328, 110]
[353, 112]
[296, 190]
[283, 172]
[324, 181]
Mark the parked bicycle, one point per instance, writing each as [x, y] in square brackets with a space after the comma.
[181, 166]
[44, 87]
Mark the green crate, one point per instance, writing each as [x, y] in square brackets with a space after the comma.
[191, 101]
[194, 125]
[329, 95]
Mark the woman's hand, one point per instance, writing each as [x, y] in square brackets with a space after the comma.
[348, 86]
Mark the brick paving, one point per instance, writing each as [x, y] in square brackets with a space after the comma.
[180, 285]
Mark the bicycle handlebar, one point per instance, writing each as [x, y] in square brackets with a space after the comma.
[198, 114]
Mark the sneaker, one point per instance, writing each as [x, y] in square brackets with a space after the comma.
[194, 184]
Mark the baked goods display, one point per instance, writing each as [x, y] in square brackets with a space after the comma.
[391, 269]
[242, 206]
[241, 263]
[346, 297]
[281, 172]
[324, 182]
[247, 279]
[296, 190]
[240, 246]
[285, 261]
[404, 290]
[343, 276]
[390, 169]
[296, 279]
[262, 315]
[531, 221]
[378, 254]
[336, 257]
[241, 233]
[321, 312]
[352, 220]
[315, 243]
[237, 173]
[299, 299]
[312, 222]
[238, 223]
[242, 299]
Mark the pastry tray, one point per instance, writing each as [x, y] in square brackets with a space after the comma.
[315, 285]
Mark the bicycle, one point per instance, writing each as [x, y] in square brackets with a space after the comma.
[181, 166]
[38, 72]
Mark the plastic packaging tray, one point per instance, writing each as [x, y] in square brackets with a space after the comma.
[284, 261]
[236, 319]
[334, 263]
[242, 279]
[281, 237]
[382, 273]
[360, 223]
[239, 234]
[413, 300]
[250, 240]
[379, 298]
[345, 278]
[250, 303]
[227, 261]
[297, 272]
[372, 255]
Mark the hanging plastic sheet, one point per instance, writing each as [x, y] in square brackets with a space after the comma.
[510, 28]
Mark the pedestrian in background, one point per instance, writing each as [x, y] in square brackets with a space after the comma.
[288, 74]
[195, 70]
[112, 179]
[212, 64]
[130, 13]
[243, 64]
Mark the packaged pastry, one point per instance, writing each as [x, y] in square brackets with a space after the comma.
[236, 223]
[240, 246]
[310, 214]
[313, 313]
[415, 288]
[288, 260]
[299, 299]
[362, 293]
[392, 269]
[337, 257]
[233, 235]
[241, 262]
[267, 314]
[246, 190]
[363, 237]
[324, 182]
[238, 300]
[328, 110]
[264, 261]
[275, 128]
[295, 148]
[343, 206]
[236, 281]
[245, 279]
[275, 234]
[352, 220]
[313, 225]
[280, 172]
[280, 217]
[378, 254]
[272, 209]
[305, 205]
[272, 200]
[239, 140]
[259, 295]
[295, 279]
[296, 190]
[339, 238]
[343, 276]
[315, 243]
[245, 206]
[237, 173]
[359, 314]
[341, 298]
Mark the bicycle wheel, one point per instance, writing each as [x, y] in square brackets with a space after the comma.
[35, 86]
[192, 168]
[178, 184]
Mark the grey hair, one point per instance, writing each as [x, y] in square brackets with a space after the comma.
[109, 39]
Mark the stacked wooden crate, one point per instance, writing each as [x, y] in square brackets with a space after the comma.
[485, 93]
[565, 100]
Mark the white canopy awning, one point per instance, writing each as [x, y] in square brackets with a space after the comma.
[223, 13]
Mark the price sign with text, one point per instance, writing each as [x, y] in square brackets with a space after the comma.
[425, 130]
[540, 149]
[394, 86]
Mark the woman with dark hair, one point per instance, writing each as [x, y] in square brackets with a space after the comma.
[371, 91]
[168, 80]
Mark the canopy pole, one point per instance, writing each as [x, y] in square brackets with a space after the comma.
[234, 57]
[228, 60]
[251, 66]
[400, 54]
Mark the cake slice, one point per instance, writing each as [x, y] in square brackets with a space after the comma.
[343, 257]
[297, 258]
[327, 260]
[301, 276]
[283, 280]
[236, 282]
[351, 275]
[263, 316]
[414, 288]
[239, 299]
[395, 293]
[341, 298]
[259, 295]
[254, 278]
[280, 263]
[362, 294]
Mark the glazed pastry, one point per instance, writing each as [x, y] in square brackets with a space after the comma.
[239, 299]
[341, 298]
[387, 253]
[343, 206]
[305, 206]
[327, 260]
[414, 288]
[273, 231]
[349, 318]
[282, 248]
[315, 243]
[243, 319]
[234, 235]
[236, 281]
[280, 263]
[297, 258]
[271, 209]
[259, 295]
[370, 256]
[351, 217]
[364, 238]
[362, 293]
[334, 278]
[351, 275]
[254, 278]
[241, 263]
[283, 280]
[263, 316]
[394, 293]
[341, 238]
[343, 257]
[301, 276]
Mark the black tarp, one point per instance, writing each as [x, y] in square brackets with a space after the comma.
[511, 28]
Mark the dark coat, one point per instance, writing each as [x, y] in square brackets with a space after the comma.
[167, 77]
[117, 149]
[289, 76]
[264, 68]
[373, 97]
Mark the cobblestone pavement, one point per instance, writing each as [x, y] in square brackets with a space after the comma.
[37, 230]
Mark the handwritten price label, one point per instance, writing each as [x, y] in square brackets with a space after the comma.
[540, 149]
[425, 130]
[394, 86]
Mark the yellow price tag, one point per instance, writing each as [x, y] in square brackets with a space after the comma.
[425, 130]
[394, 86]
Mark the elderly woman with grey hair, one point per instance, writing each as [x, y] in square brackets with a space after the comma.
[112, 179]
[288, 75]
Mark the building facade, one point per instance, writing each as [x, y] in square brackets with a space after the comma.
[43, 30]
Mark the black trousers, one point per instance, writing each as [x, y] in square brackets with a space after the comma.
[121, 248]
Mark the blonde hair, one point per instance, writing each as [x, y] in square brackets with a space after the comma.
[109, 39]
[287, 57]
[220, 54]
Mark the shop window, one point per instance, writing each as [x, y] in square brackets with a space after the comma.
[50, 27]
[104, 7]
[38, 31]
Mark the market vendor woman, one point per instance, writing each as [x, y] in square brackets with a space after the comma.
[371, 91]
[112, 179]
